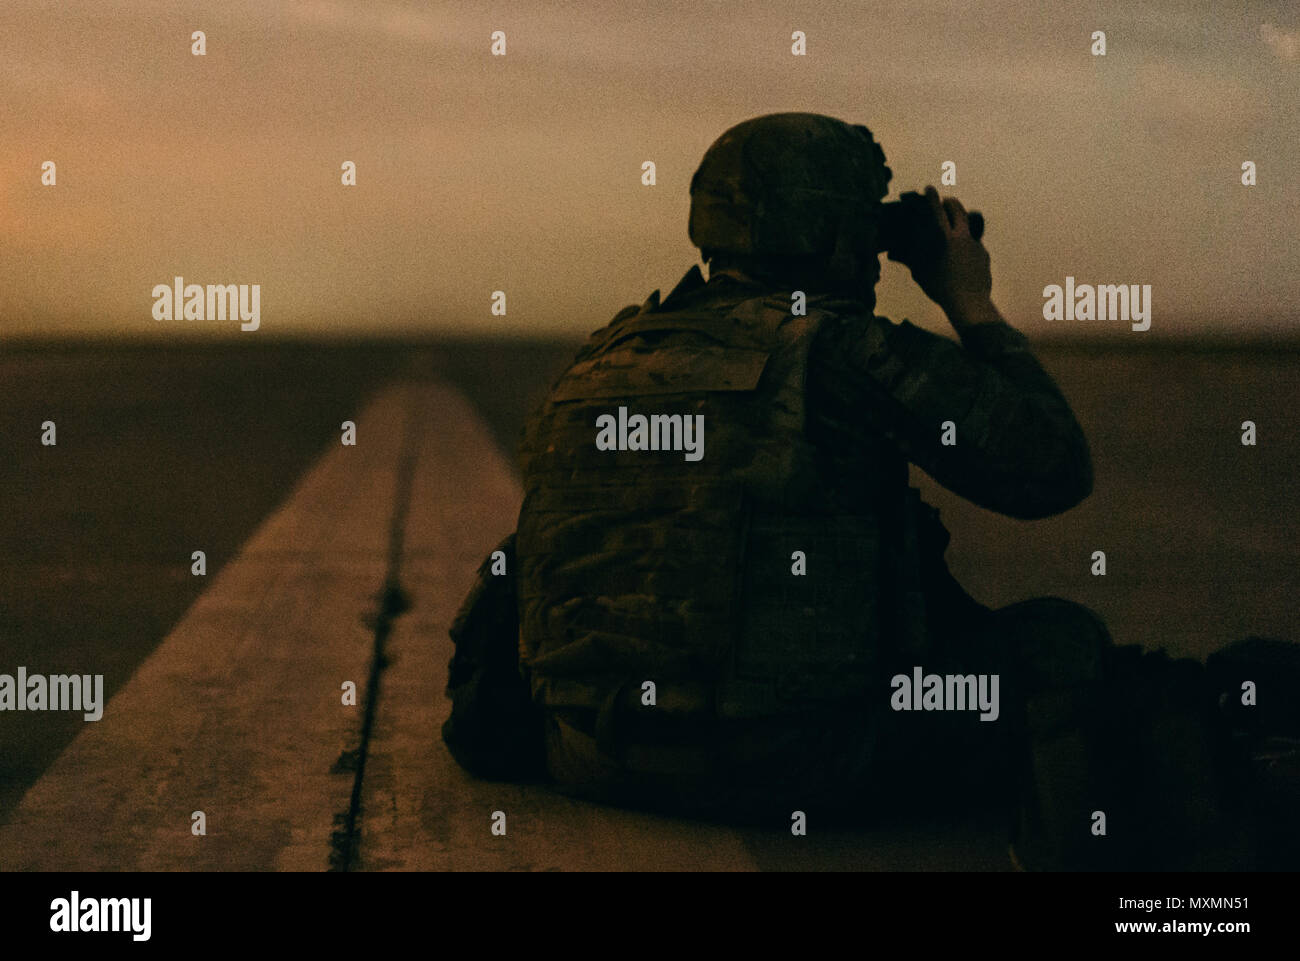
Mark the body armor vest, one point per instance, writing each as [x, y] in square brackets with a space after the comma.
[747, 574]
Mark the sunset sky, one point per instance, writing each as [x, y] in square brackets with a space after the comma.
[523, 173]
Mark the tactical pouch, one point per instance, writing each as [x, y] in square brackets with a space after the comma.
[495, 731]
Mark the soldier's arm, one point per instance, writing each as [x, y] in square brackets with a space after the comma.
[1018, 448]
[1015, 446]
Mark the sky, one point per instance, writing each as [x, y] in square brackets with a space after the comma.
[522, 173]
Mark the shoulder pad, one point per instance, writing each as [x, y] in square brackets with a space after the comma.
[598, 337]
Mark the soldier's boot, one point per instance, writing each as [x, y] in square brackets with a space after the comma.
[1096, 793]
[1257, 682]
[1118, 747]
[1185, 776]
[1186, 806]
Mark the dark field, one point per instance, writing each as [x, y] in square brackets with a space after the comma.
[163, 451]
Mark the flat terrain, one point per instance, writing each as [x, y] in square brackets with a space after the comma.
[163, 451]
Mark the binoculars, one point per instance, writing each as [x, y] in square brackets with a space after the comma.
[908, 232]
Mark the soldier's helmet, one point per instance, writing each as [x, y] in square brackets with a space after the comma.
[784, 184]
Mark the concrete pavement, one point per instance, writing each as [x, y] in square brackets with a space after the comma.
[239, 712]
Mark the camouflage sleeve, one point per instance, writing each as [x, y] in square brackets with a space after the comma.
[1019, 449]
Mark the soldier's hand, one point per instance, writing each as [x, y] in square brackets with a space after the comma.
[957, 277]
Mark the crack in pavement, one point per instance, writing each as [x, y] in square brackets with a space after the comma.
[393, 602]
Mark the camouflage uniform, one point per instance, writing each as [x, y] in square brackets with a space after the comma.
[779, 682]
[772, 688]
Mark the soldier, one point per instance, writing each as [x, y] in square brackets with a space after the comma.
[716, 636]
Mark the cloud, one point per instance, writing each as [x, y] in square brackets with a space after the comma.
[1284, 43]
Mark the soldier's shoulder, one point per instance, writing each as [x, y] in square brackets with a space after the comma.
[856, 338]
[598, 337]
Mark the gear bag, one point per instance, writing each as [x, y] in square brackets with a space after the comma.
[495, 731]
